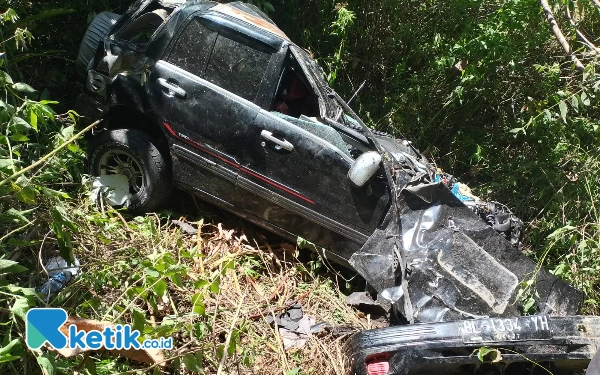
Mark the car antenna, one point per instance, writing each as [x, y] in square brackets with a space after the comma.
[357, 91]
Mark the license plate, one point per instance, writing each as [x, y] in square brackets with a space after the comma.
[522, 328]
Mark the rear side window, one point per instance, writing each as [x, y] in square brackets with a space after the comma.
[238, 64]
[193, 47]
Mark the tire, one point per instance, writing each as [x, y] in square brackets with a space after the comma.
[95, 34]
[149, 174]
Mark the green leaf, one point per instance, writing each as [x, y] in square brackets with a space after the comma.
[151, 272]
[175, 269]
[528, 305]
[26, 195]
[73, 148]
[575, 103]
[60, 215]
[46, 363]
[67, 132]
[54, 193]
[233, 341]
[561, 230]
[6, 351]
[197, 305]
[139, 320]
[20, 307]
[46, 102]
[23, 87]
[5, 163]
[64, 241]
[27, 292]
[215, 286]
[268, 7]
[5, 78]
[8, 358]
[585, 99]
[33, 120]
[19, 137]
[176, 279]
[562, 106]
[200, 283]
[17, 216]
[193, 362]
[10, 266]
[19, 124]
[485, 354]
[160, 288]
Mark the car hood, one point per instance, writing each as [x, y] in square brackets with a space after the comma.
[442, 254]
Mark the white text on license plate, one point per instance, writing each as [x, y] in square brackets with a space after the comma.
[506, 325]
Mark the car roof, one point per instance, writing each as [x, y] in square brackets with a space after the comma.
[250, 14]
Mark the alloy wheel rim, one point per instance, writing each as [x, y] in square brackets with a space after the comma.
[122, 162]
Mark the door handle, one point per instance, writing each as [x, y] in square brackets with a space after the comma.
[172, 88]
[285, 145]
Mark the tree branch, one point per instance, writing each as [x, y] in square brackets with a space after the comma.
[560, 36]
[580, 35]
[48, 156]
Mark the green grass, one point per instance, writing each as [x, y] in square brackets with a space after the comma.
[211, 292]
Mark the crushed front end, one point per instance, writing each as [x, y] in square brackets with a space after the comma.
[452, 264]
[442, 254]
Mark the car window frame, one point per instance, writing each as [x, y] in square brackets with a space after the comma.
[175, 39]
[225, 31]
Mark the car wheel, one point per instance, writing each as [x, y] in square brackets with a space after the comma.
[134, 154]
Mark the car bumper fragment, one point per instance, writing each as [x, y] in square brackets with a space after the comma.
[559, 344]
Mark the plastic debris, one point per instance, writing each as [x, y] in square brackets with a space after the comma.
[185, 227]
[114, 187]
[294, 327]
[60, 273]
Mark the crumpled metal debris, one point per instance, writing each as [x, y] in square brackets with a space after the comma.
[495, 214]
[442, 255]
[378, 311]
[294, 327]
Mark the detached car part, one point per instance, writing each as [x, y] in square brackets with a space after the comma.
[535, 344]
[216, 100]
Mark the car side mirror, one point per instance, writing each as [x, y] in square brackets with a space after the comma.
[364, 167]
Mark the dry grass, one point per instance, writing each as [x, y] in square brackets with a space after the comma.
[232, 280]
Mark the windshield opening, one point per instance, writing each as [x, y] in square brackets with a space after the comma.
[333, 108]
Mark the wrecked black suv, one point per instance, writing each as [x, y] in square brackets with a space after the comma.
[216, 100]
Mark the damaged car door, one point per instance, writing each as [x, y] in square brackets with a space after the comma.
[191, 89]
[298, 172]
